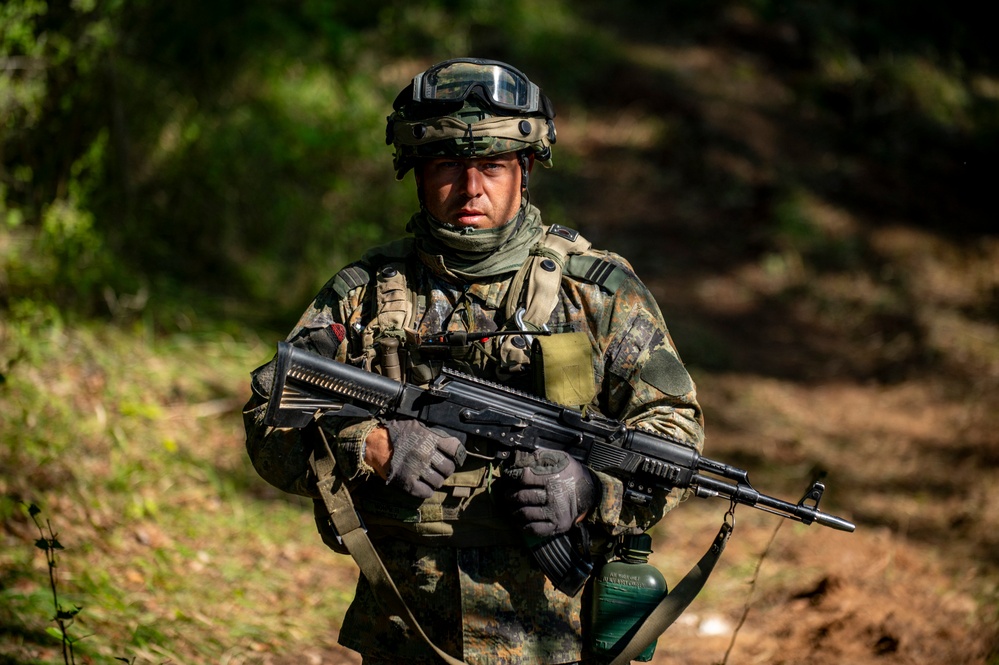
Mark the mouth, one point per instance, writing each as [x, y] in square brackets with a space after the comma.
[468, 217]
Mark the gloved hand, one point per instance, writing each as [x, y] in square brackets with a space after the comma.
[550, 491]
[422, 458]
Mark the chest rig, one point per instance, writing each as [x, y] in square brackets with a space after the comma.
[531, 299]
[461, 513]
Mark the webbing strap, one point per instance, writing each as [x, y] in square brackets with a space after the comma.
[395, 308]
[347, 525]
[542, 274]
[672, 606]
[537, 285]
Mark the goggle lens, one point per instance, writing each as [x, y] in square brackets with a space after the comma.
[454, 81]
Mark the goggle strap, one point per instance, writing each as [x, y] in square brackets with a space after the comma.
[421, 132]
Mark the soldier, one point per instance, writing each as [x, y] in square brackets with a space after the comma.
[450, 525]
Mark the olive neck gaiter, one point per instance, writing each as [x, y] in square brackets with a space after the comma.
[468, 253]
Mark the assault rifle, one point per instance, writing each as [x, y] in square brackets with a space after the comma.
[307, 385]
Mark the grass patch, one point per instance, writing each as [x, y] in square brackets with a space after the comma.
[174, 549]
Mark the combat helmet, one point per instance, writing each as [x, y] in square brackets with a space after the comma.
[470, 107]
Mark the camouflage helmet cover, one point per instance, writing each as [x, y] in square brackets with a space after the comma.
[469, 108]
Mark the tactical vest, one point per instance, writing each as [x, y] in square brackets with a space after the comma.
[532, 297]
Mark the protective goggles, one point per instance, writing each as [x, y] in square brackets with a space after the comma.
[496, 83]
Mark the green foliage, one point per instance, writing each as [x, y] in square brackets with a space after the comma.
[130, 444]
[64, 618]
[22, 85]
[236, 146]
[150, 150]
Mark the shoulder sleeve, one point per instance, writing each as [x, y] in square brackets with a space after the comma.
[352, 277]
[343, 301]
[641, 378]
[281, 456]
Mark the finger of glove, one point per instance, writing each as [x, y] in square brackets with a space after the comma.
[543, 529]
[542, 460]
[538, 522]
[417, 479]
[442, 465]
[531, 514]
[527, 478]
[513, 474]
[449, 445]
[418, 488]
[562, 508]
[522, 459]
[432, 478]
[529, 497]
[553, 459]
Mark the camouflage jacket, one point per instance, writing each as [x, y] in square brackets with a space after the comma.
[473, 585]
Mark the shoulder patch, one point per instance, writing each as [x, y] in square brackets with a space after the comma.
[563, 232]
[596, 270]
[665, 372]
[351, 277]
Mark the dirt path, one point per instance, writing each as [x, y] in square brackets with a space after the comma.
[832, 326]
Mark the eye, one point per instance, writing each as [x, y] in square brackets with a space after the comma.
[493, 167]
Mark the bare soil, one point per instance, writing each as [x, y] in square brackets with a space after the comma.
[877, 366]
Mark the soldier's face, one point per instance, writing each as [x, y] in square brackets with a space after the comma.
[482, 193]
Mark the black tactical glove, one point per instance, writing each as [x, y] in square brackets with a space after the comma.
[549, 490]
[422, 458]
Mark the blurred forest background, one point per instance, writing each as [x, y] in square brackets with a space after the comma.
[805, 186]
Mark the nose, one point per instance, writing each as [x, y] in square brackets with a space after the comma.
[472, 181]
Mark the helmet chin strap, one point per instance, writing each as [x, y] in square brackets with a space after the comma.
[524, 157]
[525, 169]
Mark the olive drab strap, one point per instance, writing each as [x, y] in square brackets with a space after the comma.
[395, 308]
[535, 288]
[350, 530]
[676, 601]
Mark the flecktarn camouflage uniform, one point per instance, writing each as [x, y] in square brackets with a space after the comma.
[462, 569]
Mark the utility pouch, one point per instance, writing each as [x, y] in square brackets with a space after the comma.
[563, 369]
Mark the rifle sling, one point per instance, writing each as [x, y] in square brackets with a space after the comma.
[348, 526]
[672, 606]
